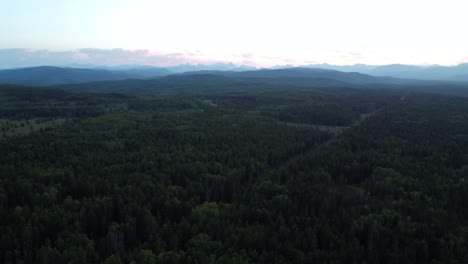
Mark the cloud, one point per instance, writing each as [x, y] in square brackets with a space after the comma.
[463, 60]
[247, 55]
[14, 58]
[89, 57]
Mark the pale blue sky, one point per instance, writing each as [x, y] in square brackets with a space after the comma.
[57, 24]
[255, 32]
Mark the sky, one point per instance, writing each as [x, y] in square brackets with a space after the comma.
[249, 32]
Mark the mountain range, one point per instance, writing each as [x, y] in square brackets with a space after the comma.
[47, 75]
[321, 73]
[432, 72]
[213, 82]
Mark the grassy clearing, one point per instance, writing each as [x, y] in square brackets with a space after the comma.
[9, 127]
[331, 129]
[209, 102]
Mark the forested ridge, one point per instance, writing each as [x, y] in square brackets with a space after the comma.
[241, 176]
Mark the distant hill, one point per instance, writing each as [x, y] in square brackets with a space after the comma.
[148, 72]
[361, 68]
[306, 73]
[434, 72]
[431, 72]
[396, 70]
[354, 74]
[209, 67]
[47, 75]
[180, 68]
[151, 80]
[212, 81]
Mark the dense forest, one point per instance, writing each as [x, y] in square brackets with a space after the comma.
[297, 175]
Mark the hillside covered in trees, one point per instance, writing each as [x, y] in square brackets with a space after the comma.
[250, 174]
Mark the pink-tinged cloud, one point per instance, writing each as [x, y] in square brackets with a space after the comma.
[89, 57]
[13, 58]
